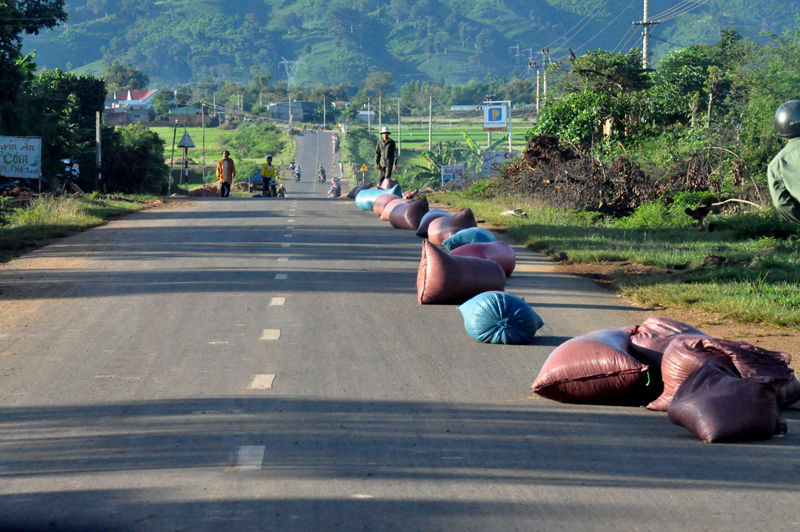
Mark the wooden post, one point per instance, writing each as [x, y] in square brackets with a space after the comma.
[99, 150]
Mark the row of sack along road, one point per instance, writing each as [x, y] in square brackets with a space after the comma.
[721, 390]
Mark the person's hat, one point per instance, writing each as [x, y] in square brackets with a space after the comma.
[385, 130]
[787, 120]
[269, 156]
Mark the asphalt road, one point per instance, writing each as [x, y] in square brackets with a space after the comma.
[128, 353]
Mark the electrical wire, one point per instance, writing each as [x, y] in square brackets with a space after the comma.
[562, 45]
[676, 7]
[622, 48]
[572, 28]
[676, 15]
[627, 33]
[607, 25]
[672, 43]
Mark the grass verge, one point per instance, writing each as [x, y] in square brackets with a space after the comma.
[49, 217]
[747, 271]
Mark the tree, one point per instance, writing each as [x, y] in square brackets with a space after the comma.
[121, 77]
[134, 161]
[379, 83]
[162, 103]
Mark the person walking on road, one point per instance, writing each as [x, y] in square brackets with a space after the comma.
[268, 173]
[784, 170]
[385, 156]
[226, 171]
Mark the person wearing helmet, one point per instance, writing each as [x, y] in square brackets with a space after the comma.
[321, 174]
[784, 170]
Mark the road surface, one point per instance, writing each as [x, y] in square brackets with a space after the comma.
[262, 364]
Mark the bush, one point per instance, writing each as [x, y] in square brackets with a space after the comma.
[257, 141]
[133, 160]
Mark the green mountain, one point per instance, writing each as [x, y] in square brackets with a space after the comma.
[181, 41]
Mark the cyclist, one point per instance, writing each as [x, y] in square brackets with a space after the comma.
[269, 174]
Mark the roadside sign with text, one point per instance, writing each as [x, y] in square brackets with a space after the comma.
[452, 173]
[21, 157]
[495, 118]
[492, 161]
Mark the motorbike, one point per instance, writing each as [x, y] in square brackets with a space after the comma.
[297, 176]
[320, 178]
[66, 181]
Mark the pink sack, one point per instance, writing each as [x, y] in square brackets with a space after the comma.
[650, 339]
[422, 231]
[388, 184]
[443, 228]
[497, 251]
[409, 216]
[390, 206]
[381, 202]
[686, 353]
[595, 368]
[717, 405]
[445, 279]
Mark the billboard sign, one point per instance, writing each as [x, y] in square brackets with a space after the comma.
[495, 118]
[492, 161]
[21, 157]
[452, 173]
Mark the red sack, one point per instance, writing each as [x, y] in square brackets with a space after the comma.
[409, 216]
[717, 405]
[445, 279]
[595, 368]
[422, 231]
[498, 252]
[650, 339]
[687, 353]
[390, 207]
[443, 228]
[382, 201]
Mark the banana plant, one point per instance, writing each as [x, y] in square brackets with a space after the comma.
[441, 154]
[472, 154]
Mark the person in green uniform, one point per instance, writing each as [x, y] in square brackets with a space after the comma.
[784, 170]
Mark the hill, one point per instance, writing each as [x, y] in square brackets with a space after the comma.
[180, 41]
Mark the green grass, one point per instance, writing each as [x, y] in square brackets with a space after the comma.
[217, 140]
[51, 217]
[748, 270]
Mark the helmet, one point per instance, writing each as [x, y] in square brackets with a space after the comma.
[320, 166]
[787, 120]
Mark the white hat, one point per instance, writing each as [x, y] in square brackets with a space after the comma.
[385, 130]
[269, 156]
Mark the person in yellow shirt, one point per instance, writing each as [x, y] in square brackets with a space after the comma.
[226, 171]
[269, 174]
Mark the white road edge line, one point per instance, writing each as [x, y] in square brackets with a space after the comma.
[277, 302]
[261, 382]
[250, 458]
[271, 334]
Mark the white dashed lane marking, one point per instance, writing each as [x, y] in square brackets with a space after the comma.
[286, 245]
[277, 302]
[283, 259]
[282, 276]
[288, 235]
[271, 334]
[250, 457]
[261, 382]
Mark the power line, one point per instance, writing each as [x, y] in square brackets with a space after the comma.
[607, 25]
[676, 7]
[676, 15]
[572, 28]
[632, 28]
[672, 43]
[562, 45]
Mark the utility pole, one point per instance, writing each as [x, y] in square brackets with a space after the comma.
[645, 23]
[430, 123]
[380, 111]
[324, 115]
[538, 92]
[399, 129]
[541, 75]
[215, 105]
[203, 119]
[369, 117]
[99, 148]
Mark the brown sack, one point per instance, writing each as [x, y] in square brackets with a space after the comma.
[409, 216]
[422, 231]
[382, 201]
[445, 279]
[789, 394]
[651, 338]
[388, 184]
[390, 207]
[595, 368]
[716, 405]
[443, 228]
[687, 353]
[498, 252]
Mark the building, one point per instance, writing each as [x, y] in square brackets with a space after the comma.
[130, 113]
[300, 111]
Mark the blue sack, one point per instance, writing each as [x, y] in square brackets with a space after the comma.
[468, 236]
[366, 198]
[500, 318]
